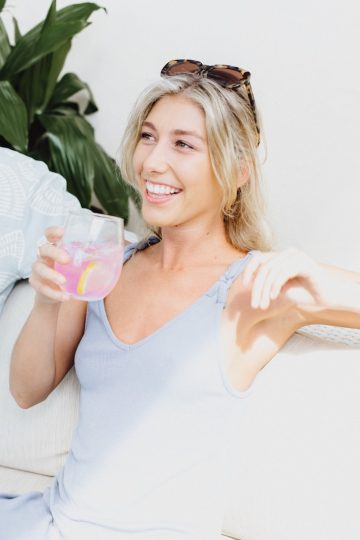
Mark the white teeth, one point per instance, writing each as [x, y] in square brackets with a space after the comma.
[159, 189]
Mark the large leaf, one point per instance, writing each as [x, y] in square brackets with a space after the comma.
[134, 196]
[109, 187]
[47, 37]
[13, 117]
[36, 84]
[71, 146]
[4, 44]
[17, 33]
[65, 109]
[69, 85]
[49, 19]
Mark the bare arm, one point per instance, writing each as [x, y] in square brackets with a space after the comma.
[342, 273]
[44, 351]
[344, 309]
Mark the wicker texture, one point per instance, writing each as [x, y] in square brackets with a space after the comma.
[335, 334]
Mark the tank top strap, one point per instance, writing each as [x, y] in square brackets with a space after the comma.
[132, 248]
[229, 277]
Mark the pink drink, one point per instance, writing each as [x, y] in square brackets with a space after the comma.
[94, 269]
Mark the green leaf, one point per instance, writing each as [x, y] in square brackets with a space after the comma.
[2, 4]
[13, 117]
[65, 109]
[36, 84]
[17, 33]
[71, 145]
[67, 87]
[47, 37]
[109, 187]
[50, 18]
[5, 48]
[57, 63]
[134, 196]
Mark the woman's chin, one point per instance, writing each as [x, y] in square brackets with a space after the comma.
[155, 220]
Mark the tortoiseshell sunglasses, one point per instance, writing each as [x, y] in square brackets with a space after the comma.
[227, 76]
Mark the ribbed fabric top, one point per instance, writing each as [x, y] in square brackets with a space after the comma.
[148, 459]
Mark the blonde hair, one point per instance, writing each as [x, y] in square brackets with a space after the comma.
[232, 142]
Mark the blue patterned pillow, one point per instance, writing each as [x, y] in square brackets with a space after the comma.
[31, 199]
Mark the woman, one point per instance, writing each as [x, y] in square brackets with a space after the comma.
[166, 359]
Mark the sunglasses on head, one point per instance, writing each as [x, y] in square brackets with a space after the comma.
[227, 76]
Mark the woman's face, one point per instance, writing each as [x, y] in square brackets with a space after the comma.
[173, 168]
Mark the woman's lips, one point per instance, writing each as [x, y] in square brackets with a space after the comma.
[160, 193]
[159, 198]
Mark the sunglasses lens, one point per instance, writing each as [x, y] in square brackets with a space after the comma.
[182, 67]
[227, 75]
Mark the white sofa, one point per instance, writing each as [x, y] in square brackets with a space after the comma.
[296, 469]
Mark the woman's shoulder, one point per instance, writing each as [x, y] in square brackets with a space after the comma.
[140, 245]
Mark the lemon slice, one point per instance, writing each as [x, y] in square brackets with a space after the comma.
[81, 286]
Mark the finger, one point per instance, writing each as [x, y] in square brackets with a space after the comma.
[41, 270]
[54, 233]
[265, 276]
[55, 253]
[286, 272]
[278, 284]
[283, 268]
[49, 292]
[251, 268]
[275, 280]
[265, 297]
[259, 283]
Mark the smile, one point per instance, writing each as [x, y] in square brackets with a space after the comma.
[160, 189]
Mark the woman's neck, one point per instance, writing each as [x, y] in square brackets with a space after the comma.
[183, 247]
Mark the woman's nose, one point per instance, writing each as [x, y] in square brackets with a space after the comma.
[156, 160]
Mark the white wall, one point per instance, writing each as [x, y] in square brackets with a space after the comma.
[304, 61]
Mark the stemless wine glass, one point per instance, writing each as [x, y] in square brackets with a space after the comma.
[95, 243]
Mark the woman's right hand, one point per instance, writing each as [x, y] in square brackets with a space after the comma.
[47, 282]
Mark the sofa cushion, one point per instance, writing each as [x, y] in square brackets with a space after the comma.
[296, 467]
[36, 439]
[15, 481]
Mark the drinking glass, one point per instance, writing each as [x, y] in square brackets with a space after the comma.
[95, 243]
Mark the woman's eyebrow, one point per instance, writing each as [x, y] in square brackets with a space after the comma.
[185, 132]
[150, 125]
[176, 131]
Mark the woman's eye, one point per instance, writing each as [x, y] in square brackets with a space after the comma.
[183, 144]
[146, 136]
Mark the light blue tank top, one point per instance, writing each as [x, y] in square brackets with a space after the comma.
[148, 459]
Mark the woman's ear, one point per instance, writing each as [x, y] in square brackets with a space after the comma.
[243, 174]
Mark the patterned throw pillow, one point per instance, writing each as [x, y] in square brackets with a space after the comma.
[31, 199]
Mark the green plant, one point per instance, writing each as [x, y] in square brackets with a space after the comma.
[38, 116]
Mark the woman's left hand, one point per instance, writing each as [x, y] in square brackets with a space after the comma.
[309, 283]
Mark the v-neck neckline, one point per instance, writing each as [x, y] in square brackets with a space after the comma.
[209, 292]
